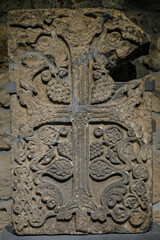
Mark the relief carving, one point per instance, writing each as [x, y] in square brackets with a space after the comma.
[81, 150]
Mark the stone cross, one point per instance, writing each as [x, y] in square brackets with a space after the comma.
[81, 150]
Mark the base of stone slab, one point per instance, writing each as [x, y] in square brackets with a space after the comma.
[154, 234]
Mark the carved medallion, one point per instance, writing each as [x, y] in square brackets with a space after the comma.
[81, 150]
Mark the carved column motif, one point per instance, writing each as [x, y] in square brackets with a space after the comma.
[81, 150]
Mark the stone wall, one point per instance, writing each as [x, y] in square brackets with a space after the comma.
[146, 14]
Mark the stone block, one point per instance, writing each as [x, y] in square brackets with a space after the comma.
[81, 149]
[4, 97]
[152, 60]
[5, 214]
[5, 176]
[4, 129]
[3, 46]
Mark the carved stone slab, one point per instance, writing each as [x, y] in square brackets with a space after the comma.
[81, 150]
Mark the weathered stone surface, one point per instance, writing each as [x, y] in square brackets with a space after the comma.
[116, 4]
[81, 150]
[5, 177]
[153, 5]
[4, 97]
[10, 5]
[3, 47]
[156, 134]
[44, 3]
[152, 61]
[5, 214]
[156, 177]
[4, 129]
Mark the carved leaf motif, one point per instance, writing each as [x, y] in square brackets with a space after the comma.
[99, 169]
[99, 214]
[50, 195]
[113, 194]
[62, 169]
[65, 149]
[112, 156]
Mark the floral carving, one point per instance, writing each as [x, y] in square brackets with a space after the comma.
[48, 134]
[61, 169]
[140, 171]
[99, 169]
[113, 134]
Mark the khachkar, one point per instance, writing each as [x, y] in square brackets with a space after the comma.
[81, 150]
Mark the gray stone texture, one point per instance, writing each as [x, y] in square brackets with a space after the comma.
[4, 97]
[5, 177]
[4, 129]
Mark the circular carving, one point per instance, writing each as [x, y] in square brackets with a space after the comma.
[98, 132]
[130, 201]
[120, 214]
[46, 76]
[137, 218]
[140, 171]
[139, 187]
[48, 134]
[125, 150]
[113, 134]
[64, 132]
